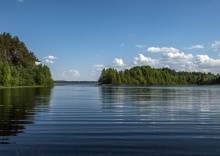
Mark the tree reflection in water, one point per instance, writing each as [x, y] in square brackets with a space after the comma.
[112, 97]
[17, 108]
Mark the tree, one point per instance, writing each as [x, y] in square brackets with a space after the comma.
[118, 78]
[145, 75]
[44, 76]
[1, 71]
[102, 77]
[17, 64]
[6, 75]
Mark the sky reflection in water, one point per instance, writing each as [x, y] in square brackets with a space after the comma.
[89, 119]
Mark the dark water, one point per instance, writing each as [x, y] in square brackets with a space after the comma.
[92, 120]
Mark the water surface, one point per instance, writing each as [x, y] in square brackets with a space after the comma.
[93, 120]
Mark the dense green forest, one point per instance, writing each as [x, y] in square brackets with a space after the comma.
[146, 75]
[18, 65]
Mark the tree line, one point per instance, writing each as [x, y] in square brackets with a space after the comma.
[146, 75]
[18, 65]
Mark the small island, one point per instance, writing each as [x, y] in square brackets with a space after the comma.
[19, 66]
[146, 75]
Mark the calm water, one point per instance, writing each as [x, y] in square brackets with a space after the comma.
[93, 120]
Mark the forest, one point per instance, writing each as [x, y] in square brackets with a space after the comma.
[19, 66]
[146, 75]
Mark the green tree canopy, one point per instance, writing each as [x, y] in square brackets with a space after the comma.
[18, 64]
[146, 75]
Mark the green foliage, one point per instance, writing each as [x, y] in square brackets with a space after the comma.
[17, 64]
[44, 76]
[6, 75]
[108, 76]
[145, 75]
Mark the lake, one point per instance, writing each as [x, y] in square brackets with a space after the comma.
[86, 119]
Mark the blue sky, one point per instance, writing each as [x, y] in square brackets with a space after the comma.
[78, 38]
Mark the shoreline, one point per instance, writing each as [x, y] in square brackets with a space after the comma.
[9, 87]
[175, 85]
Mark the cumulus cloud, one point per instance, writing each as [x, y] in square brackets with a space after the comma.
[174, 59]
[177, 61]
[136, 59]
[74, 73]
[166, 66]
[145, 60]
[162, 50]
[50, 57]
[181, 62]
[178, 56]
[37, 63]
[216, 46]
[49, 61]
[71, 75]
[206, 62]
[140, 46]
[195, 47]
[96, 69]
[118, 62]
[170, 57]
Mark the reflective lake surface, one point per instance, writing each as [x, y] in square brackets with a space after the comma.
[85, 119]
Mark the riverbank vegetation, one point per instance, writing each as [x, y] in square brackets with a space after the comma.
[19, 66]
[146, 75]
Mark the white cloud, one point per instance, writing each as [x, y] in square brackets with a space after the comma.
[206, 62]
[195, 47]
[174, 59]
[74, 73]
[136, 60]
[178, 63]
[181, 62]
[20, 0]
[216, 46]
[140, 46]
[166, 66]
[144, 60]
[50, 57]
[122, 45]
[178, 56]
[96, 69]
[49, 61]
[162, 50]
[118, 62]
[70, 75]
[37, 63]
